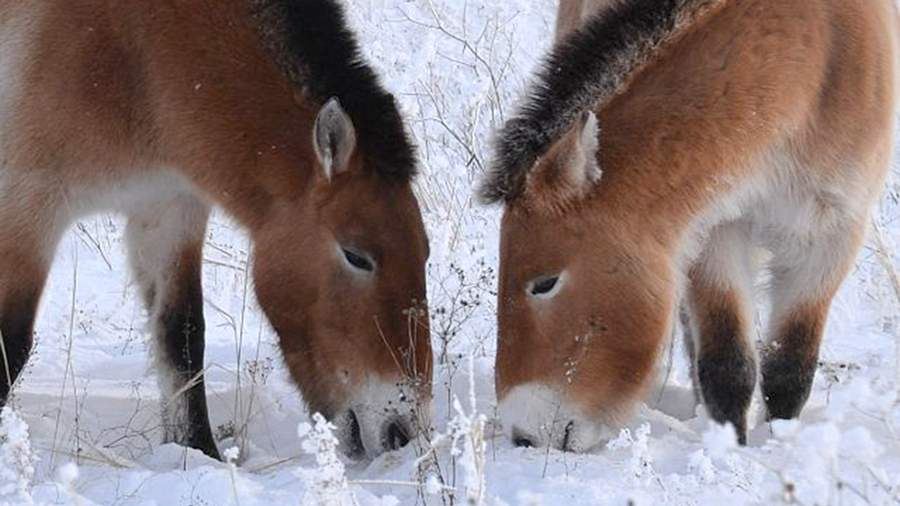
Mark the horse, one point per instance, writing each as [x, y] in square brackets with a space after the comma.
[660, 147]
[160, 110]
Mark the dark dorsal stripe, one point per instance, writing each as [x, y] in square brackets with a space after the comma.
[313, 45]
[583, 72]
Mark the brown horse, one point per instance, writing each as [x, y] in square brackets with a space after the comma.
[661, 144]
[159, 109]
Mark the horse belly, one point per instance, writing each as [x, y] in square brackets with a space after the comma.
[127, 194]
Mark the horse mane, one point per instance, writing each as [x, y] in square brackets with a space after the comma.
[585, 71]
[313, 45]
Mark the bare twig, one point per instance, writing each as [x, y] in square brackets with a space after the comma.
[885, 258]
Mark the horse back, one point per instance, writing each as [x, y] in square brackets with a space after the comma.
[813, 80]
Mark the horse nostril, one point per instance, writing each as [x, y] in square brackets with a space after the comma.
[523, 442]
[567, 439]
[355, 446]
[396, 436]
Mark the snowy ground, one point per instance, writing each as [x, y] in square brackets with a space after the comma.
[89, 397]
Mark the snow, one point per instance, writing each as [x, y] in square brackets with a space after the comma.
[84, 428]
[16, 459]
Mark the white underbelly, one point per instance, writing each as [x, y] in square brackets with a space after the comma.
[127, 195]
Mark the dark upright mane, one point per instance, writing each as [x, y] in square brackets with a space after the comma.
[312, 44]
[585, 71]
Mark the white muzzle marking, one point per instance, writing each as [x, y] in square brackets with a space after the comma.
[537, 415]
[389, 415]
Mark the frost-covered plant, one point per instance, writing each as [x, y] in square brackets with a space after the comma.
[459, 296]
[640, 465]
[701, 466]
[328, 485]
[468, 429]
[16, 459]
[885, 255]
[465, 438]
[66, 477]
[231, 456]
[720, 440]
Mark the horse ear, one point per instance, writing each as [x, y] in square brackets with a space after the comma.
[334, 138]
[569, 169]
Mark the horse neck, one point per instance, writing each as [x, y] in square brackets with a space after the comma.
[669, 164]
[225, 115]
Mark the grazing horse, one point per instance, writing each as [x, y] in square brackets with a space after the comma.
[159, 110]
[663, 142]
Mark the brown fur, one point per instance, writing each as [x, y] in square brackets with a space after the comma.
[772, 115]
[183, 100]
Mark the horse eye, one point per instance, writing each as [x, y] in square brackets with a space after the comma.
[545, 285]
[358, 261]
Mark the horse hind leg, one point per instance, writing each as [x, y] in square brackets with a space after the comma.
[804, 281]
[719, 298]
[165, 243]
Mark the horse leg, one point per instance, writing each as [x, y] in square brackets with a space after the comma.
[684, 316]
[165, 243]
[805, 278]
[30, 228]
[719, 297]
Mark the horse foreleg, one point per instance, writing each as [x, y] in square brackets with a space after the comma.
[165, 244]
